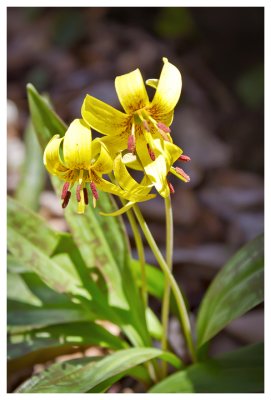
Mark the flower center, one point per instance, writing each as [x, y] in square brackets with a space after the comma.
[148, 125]
[82, 177]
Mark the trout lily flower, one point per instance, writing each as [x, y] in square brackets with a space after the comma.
[143, 129]
[76, 159]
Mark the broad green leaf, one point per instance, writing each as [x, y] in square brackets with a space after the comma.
[90, 375]
[75, 334]
[32, 178]
[236, 289]
[59, 279]
[45, 121]
[102, 240]
[23, 316]
[57, 370]
[241, 371]
[29, 236]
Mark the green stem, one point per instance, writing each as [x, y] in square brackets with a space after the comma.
[141, 256]
[166, 297]
[175, 288]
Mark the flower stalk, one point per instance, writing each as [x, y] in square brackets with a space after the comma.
[175, 288]
[166, 297]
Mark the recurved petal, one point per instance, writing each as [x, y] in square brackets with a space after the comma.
[168, 89]
[109, 187]
[152, 83]
[165, 154]
[131, 91]
[104, 118]
[120, 211]
[51, 157]
[127, 182]
[77, 145]
[103, 163]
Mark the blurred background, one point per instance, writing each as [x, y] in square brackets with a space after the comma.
[219, 122]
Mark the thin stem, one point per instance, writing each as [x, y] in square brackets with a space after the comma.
[175, 288]
[141, 256]
[166, 296]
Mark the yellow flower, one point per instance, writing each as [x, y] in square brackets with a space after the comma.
[75, 158]
[144, 127]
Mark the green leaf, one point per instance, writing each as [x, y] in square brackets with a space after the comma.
[45, 121]
[56, 277]
[75, 334]
[83, 379]
[102, 240]
[57, 262]
[236, 289]
[241, 371]
[32, 178]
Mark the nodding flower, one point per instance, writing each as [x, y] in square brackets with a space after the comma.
[143, 129]
[77, 160]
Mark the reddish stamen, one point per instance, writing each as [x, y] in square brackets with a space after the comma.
[182, 173]
[163, 127]
[94, 191]
[184, 158]
[146, 126]
[171, 188]
[65, 190]
[151, 153]
[85, 196]
[66, 199]
[78, 195]
[131, 143]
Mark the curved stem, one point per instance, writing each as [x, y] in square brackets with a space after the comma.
[175, 288]
[166, 296]
[141, 256]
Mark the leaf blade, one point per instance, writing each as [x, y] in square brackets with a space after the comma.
[240, 371]
[236, 289]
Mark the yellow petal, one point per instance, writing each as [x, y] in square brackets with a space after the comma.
[103, 163]
[109, 187]
[131, 161]
[116, 143]
[152, 83]
[131, 91]
[104, 118]
[77, 145]
[164, 118]
[127, 182]
[168, 89]
[120, 211]
[165, 154]
[51, 157]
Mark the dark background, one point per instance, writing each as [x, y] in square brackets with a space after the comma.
[219, 121]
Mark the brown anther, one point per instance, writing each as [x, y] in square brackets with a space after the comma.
[131, 144]
[171, 188]
[184, 158]
[146, 126]
[78, 195]
[65, 190]
[66, 199]
[85, 196]
[163, 127]
[94, 190]
[182, 173]
[151, 153]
